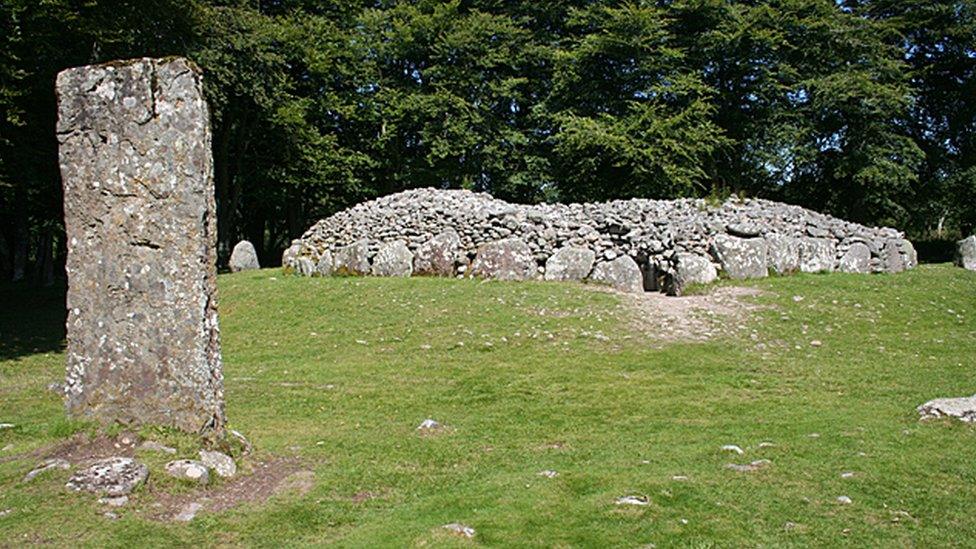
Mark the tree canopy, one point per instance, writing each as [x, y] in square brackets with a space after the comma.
[858, 108]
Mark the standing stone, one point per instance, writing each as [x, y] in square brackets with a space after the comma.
[691, 269]
[243, 257]
[325, 264]
[436, 256]
[782, 254]
[352, 259]
[894, 262]
[571, 263]
[509, 259]
[857, 259]
[621, 273]
[741, 258]
[289, 257]
[817, 255]
[143, 343]
[966, 253]
[393, 259]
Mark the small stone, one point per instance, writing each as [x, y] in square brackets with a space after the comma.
[188, 469]
[847, 474]
[679, 478]
[188, 512]
[47, 465]
[844, 500]
[114, 476]
[732, 448]
[633, 500]
[4, 426]
[221, 463]
[548, 474]
[5, 512]
[117, 501]
[766, 444]
[816, 343]
[429, 425]
[749, 467]
[153, 446]
[459, 529]
[111, 515]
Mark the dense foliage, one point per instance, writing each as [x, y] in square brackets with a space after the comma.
[861, 108]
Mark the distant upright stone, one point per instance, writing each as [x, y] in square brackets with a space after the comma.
[352, 259]
[894, 261]
[782, 254]
[243, 257]
[289, 257]
[436, 257]
[741, 258]
[143, 344]
[966, 253]
[857, 259]
[393, 259]
[570, 263]
[325, 264]
[817, 255]
[304, 266]
[621, 273]
[691, 269]
[508, 259]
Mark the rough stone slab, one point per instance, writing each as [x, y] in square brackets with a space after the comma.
[817, 255]
[351, 260]
[962, 408]
[114, 476]
[143, 343]
[325, 264]
[508, 259]
[436, 256]
[570, 263]
[243, 257]
[741, 258]
[782, 254]
[621, 273]
[393, 259]
[894, 261]
[857, 259]
[966, 253]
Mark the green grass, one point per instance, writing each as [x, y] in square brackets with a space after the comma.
[340, 372]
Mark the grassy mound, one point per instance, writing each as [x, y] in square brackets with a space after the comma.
[335, 374]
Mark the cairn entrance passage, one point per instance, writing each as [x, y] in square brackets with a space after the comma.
[143, 342]
[633, 245]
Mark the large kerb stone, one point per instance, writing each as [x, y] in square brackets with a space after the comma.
[142, 337]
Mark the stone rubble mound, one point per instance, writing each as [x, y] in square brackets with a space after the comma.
[632, 245]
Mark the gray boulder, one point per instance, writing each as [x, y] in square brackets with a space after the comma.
[304, 266]
[352, 260]
[570, 263]
[817, 255]
[188, 469]
[114, 476]
[393, 259]
[966, 253]
[508, 259]
[221, 463]
[741, 258]
[857, 259]
[325, 264]
[691, 269]
[782, 254]
[962, 408]
[436, 256]
[894, 262]
[621, 273]
[908, 250]
[289, 257]
[243, 257]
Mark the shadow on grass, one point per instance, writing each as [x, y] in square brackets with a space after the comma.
[31, 319]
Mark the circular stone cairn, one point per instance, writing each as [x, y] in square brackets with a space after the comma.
[671, 243]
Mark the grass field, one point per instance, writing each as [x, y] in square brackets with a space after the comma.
[531, 377]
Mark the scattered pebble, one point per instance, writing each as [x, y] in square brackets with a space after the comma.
[188, 469]
[6, 426]
[117, 501]
[154, 446]
[766, 445]
[632, 500]
[797, 298]
[679, 478]
[732, 448]
[428, 425]
[814, 435]
[816, 343]
[847, 474]
[548, 473]
[844, 500]
[188, 512]
[748, 467]
[5, 512]
[459, 529]
[111, 516]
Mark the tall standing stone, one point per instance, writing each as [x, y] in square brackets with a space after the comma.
[143, 342]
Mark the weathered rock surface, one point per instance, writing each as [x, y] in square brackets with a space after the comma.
[114, 476]
[143, 343]
[508, 259]
[962, 408]
[325, 264]
[857, 259]
[352, 259]
[651, 232]
[894, 261]
[304, 266]
[436, 256]
[393, 259]
[221, 463]
[817, 255]
[691, 269]
[622, 274]
[966, 253]
[741, 258]
[570, 263]
[243, 257]
[47, 465]
[188, 469]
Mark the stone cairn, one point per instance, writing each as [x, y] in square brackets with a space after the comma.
[633, 245]
[143, 342]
